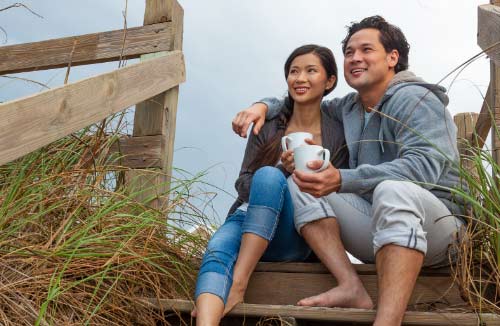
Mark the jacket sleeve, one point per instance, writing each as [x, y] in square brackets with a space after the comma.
[274, 106]
[426, 135]
[244, 180]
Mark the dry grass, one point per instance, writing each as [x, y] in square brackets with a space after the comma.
[77, 249]
[477, 267]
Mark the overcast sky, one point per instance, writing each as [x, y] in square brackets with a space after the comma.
[235, 51]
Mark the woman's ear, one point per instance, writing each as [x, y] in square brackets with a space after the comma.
[331, 81]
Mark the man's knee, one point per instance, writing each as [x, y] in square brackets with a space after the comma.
[398, 216]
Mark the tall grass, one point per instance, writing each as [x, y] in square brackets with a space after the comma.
[477, 268]
[76, 248]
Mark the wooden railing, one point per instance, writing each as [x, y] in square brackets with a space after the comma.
[30, 123]
[473, 128]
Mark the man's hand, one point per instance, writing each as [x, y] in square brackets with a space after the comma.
[318, 184]
[256, 114]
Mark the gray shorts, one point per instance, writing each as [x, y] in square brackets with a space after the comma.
[402, 213]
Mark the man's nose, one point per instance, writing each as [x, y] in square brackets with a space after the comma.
[356, 56]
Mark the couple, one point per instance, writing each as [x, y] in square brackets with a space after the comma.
[385, 196]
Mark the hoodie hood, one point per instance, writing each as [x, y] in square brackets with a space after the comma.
[403, 79]
[407, 78]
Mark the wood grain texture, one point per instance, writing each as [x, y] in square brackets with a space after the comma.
[483, 124]
[319, 268]
[90, 48]
[333, 314]
[488, 36]
[32, 122]
[495, 106]
[289, 288]
[466, 138]
[157, 116]
[138, 152]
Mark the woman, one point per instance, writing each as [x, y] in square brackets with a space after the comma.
[260, 223]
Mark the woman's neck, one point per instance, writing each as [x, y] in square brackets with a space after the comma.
[306, 117]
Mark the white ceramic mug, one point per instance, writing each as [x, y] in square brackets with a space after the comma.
[294, 140]
[304, 154]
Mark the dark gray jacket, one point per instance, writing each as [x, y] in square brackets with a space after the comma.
[332, 138]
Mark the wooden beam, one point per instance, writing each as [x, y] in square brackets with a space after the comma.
[319, 268]
[483, 124]
[289, 288]
[138, 152]
[333, 314]
[35, 121]
[495, 101]
[157, 116]
[85, 49]
[488, 36]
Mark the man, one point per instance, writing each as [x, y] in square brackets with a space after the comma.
[393, 205]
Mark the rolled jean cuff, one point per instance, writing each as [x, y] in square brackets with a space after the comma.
[214, 283]
[261, 220]
[310, 213]
[413, 238]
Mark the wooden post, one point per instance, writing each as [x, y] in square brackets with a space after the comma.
[157, 115]
[495, 97]
[466, 123]
[495, 101]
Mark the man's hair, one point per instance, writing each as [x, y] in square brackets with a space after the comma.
[391, 37]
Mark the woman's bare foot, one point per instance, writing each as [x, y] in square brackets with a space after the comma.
[194, 312]
[346, 296]
[235, 296]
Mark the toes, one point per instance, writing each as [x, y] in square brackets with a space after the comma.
[194, 313]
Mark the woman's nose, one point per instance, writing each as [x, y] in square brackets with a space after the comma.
[301, 77]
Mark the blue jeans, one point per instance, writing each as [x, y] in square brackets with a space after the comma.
[270, 216]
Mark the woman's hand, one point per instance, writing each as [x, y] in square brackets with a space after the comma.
[287, 161]
[255, 113]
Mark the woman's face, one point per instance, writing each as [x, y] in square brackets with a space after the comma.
[307, 79]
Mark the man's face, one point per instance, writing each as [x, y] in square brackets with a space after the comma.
[367, 65]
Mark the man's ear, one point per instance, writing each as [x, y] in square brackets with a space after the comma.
[393, 58]
[331, 81]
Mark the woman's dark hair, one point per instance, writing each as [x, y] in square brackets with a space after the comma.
[270, 152]
[391, 37]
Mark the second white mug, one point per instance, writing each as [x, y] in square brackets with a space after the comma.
[294, 140]
[304, 154]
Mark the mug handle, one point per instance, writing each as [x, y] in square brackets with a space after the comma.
[326, 159]
[284, 145]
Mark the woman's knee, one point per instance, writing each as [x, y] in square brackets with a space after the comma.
[268, 176]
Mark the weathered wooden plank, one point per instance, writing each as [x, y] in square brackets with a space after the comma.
[157, 116]
[318, 268]
[139, 152]
[495, 101]
[483, 123]
[32, 122]
[289, 288]
[85, 49]
[466, 125]
[488, 36]
[334, 314]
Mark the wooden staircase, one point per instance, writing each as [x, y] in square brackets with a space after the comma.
[275, 288]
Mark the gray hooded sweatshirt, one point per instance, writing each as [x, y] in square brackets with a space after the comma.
[410, 136]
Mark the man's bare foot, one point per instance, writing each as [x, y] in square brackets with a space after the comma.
[347, 296]
[235, 296]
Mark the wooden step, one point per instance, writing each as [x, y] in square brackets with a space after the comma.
[358, 316]
[287, 283]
